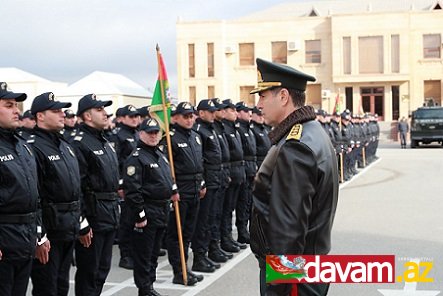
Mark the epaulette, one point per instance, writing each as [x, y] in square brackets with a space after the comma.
[79, 137]
[237, 125]
[31, 139]
[171, 133]
[295, 133]
[136, 153]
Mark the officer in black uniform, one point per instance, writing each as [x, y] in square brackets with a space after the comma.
[216, 253]
[70, 127]
[27, 121]
[99, 181]
[212, 163]
[148, 188]
[244, 201]
[238, 176]
[188, 165]
[125, 141]
[19, 229]
[348, 144]
[59, 190]
[260, 132]
[144, 113]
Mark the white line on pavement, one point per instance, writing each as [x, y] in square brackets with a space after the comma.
[360, 173]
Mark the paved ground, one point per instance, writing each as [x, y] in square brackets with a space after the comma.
[392, 207]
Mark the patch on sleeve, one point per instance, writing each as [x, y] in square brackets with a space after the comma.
[130, 170]
[295, 133]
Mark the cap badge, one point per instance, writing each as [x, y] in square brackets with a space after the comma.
[3, 86]
[152, 122]
[132, 108]
[186, 106]
[94, 97]
[51, 97]
[211, 104]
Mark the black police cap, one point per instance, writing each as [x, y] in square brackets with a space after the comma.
[206, 105]
[46, 101]
[241, 106]
[27, 114]
[173, 110]
[219, 104]
[272, 75]
[143, 111]
[257, 111]
[150, 125]
[69, 113]
[229, 103]
[129, 110]
[90, 101]
[5, 94]
[184, 108]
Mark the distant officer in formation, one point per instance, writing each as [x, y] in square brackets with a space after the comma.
[19, 222]
[261, 134]
[70, 125]
[403, 129]
[99, 183]
[148, 188]
[27, 123]
[60, 191]
[186, 145]
[125, 141]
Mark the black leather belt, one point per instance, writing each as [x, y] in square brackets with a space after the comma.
[17, 218]
[67, 206]
[250, 158]
[237, 163]
[214, 167]
[190, 177]
[106, 195]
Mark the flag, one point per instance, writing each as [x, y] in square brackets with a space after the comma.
[337, 104]
[161, 93]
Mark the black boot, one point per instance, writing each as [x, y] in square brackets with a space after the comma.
[200, 264]
[199, 277]
[151, 292]
[212, 263]
[126, 262]
[229, 246]
[215, 253]
[236, 243]
[243, 236]
[178, 279]
[227, 254]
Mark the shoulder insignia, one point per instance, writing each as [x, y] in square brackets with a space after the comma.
[130, 170]
[171, 133]
[136, 153]
[295, 132]
[197, 139]
[31, 139]
[78, 138]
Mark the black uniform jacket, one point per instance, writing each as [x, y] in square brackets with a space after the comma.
[188, 161]
[296, 190]
[249, 147]
[18, 197]
[237, 167]
[148, 185]
[59, 185]
[99, 179]
[262, 140]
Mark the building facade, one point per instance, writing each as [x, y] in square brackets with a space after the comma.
[376, 56]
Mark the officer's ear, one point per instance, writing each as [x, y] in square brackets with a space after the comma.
[285, 97]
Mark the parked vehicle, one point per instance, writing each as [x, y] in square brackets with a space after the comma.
[427, 126]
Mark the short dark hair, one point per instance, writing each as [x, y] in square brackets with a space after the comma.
[298, 97]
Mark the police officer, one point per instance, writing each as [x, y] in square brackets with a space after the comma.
[188, 164]
[99, 181]
[212, 162]
[293, 207]
[238, 176]
[348, 144]
[148, 188]
[27, 121]
[260, 132]
[70, 128]
[125, 141]
[18, 190]
[59, 190]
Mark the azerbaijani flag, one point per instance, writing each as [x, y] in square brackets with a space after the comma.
[337, 104]
[161, 95]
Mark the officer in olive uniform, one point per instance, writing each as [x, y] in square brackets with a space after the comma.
[27, 121]
[70, 128]
[19, 228]
[125, 141]
[188, 164]
[59, 190]
[260, 132]
[293, 207]
[99, 181]
[238, 177]
[212, 163]
[148, 188]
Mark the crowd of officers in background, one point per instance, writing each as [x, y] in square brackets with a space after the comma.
[115, 186]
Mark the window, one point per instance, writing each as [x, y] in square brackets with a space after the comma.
[370, 57]
[210, 59]
[395, 102]
[211, 92]
[431, 46]
[395, 53]
[347, 55]
[313, 51]
[280, 52]
[192, 95]
[432, 91]
[245, 95]
[246, 54]
[191, 57]
[349, 94]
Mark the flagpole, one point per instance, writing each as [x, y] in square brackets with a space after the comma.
[171, 164]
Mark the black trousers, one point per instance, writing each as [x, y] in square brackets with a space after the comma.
[205, 220]
[244, 204]
[229, 205]
[216, 213]
[188, 215]
[52, 278]
[146, 243]
[93, 263]
[124, 231]
[14, 277]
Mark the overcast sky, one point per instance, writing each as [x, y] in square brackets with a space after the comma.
[67, 40]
